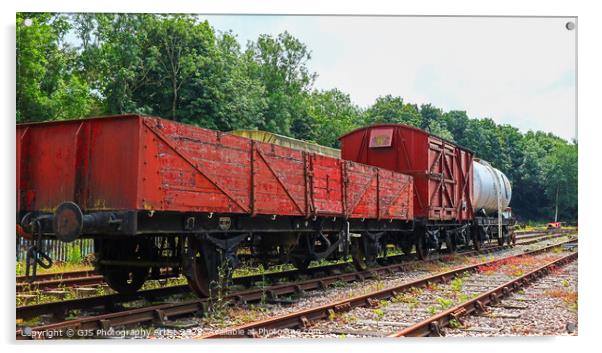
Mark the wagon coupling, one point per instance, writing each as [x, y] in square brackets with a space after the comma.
[69, 222]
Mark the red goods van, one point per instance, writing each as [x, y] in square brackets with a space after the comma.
[442, 171]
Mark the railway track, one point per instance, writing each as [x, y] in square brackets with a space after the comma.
[551, 302]
[306, 318]
[432, 326]
[543, 231]
[59, 275]
[60, 309]
[111, 302]
[86, 278]
[159, 313]
[535, 234]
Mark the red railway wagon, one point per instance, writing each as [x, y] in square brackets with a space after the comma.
[158, 194]
[442, 171]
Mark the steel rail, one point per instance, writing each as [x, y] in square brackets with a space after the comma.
[24, 287]
[61, 308]
[548, 231]
[304, 317]
[57, 275]
[434, 324]
[528, 235]
[53, 284]
[532, 239]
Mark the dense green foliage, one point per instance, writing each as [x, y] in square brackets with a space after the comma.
[178, 67]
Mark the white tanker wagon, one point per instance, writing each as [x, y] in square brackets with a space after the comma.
[492, 193]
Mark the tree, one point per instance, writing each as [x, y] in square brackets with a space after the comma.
[528, 195]
[513, 140]
[456, 122]
[332, 114]
[47, 86]
[560, 176]
[183, 50]
[226, 97]
[432, 121]
[429, 116]
[116, 59]
[389, 109]
[281, 67]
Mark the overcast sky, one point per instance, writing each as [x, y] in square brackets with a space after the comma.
[519, 71]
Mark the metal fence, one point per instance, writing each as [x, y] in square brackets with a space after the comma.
[58, 250]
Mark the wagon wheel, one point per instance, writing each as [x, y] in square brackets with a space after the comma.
[423, 250]
[197, 278]
[197, 272]
[512, 239]
[407, 247]
[301, 263]
[300, 255]
[501, 239]
[476, 241]
[124, 279]
[450, 242]
[361, 260]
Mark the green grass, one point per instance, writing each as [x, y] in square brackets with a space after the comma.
[379, 313]
[444, 302]
[74, 255]
[455, 324]
[456, 284]
[56, 268]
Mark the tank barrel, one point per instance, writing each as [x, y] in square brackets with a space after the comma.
[488, 183]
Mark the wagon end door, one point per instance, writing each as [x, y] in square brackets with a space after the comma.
[442, 177]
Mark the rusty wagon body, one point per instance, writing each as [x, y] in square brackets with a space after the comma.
[136, 163]
[174, 195]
